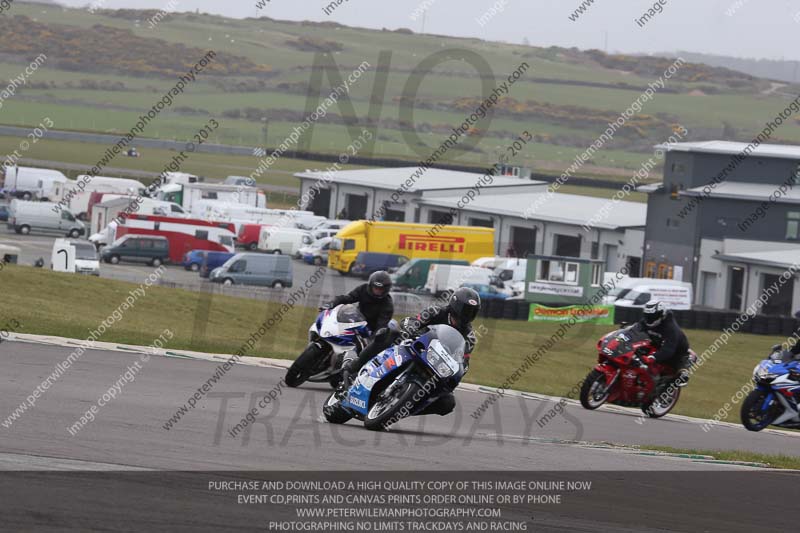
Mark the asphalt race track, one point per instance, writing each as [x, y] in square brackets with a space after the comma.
[128, 435]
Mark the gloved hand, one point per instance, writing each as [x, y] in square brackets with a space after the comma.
[325, 307]
[466, 362]
[648, 359]
[777, 348]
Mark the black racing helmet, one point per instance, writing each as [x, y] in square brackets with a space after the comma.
[464, 306]
[380, 283]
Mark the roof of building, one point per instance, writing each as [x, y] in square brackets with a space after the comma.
[395, 178]
[776, 258]
[780, 151]
[557, 207]
[740, 190]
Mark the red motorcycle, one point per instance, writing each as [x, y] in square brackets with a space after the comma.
[622, 378]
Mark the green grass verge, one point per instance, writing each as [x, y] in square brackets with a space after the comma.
[66, 305]
[773, 461]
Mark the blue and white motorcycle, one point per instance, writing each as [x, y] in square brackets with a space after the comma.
[334, 334]
[775, 399]
[402, 380]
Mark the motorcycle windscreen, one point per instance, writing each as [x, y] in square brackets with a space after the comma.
[349, 314]
[351, 320]
[445, 351]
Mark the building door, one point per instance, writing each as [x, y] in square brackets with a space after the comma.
[735, 288]
[612, 262]
[709, 281]
[320, 205]
[634, 266]
[567, 245]
[356, 205]
[780, 303]
[523, 241]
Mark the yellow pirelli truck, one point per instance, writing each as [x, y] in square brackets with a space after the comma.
[424, 241]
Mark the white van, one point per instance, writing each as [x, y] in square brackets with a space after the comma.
[621, 287]
[444, 277]
[332, 224]
[78, 199]
[675, 295]
[283, 240]
[29, 182]
[84, 260]
[511, 274]
[489, 262]
[25, 217]
[149, 206]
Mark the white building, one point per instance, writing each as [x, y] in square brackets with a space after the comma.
[555, 228]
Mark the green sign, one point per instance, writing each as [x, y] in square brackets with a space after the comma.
[598, 314]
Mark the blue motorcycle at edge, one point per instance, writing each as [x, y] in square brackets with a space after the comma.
[775, 400]
[402, 380]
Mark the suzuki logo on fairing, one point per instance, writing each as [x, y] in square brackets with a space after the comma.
[358, 402]
[431, 244]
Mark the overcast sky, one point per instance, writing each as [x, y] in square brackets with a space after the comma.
[755, 28]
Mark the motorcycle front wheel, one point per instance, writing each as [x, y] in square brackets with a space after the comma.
[754, 417]
[334, 412]
[303, 367]
[387, 407]
[594, 391]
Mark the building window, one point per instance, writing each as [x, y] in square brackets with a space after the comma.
[664, 271]
[673, 191]
[650, 269]
[595, 250]
[597, 274]
[209, 195]
[558, 272]
[793, 225]
[201, 234]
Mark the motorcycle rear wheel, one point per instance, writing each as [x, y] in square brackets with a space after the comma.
[384, 410]
[753, 417]
[334, 412]
[303, 367]
[589, 397]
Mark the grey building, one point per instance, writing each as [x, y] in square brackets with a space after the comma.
[717, 213]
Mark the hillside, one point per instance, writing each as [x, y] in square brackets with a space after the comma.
[105, 69]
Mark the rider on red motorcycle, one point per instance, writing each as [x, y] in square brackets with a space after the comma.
[667, 336]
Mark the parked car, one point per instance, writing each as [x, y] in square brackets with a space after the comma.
[4, 213]
[414, 273]
[85, 260]
[317, 252]
[138, 249]
[368, 262]
[25, 217]
[487, 292]
[204, 261]
[317, 234]
[239, 180]
[255, 269]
